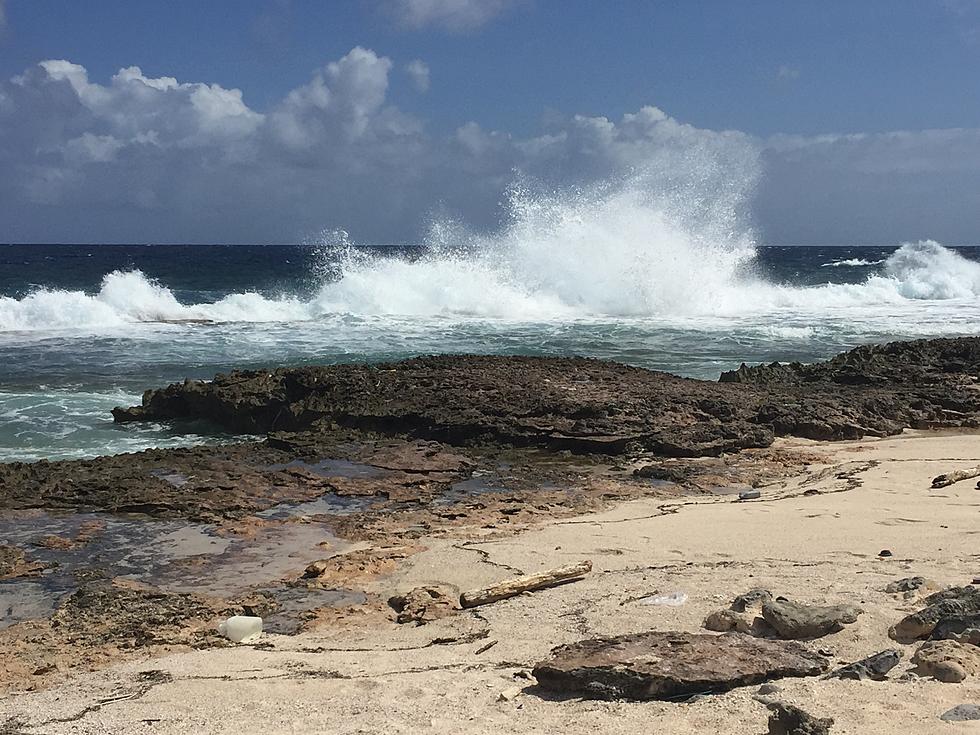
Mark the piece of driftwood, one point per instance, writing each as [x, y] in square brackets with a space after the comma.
[529, 583]
[955, 476]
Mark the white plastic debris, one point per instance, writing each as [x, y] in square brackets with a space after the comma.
[241, 628]
[674, 599]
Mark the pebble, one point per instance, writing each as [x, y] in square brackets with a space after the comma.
[885, 552]
[962, 713]
[769, 689]
[749, 495]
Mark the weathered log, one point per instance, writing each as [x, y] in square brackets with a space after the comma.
[955, 476]
[517, 585]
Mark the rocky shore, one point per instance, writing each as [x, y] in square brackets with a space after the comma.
[373, 496]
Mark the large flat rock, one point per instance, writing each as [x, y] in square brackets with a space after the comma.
[586, 405]
[665, 665]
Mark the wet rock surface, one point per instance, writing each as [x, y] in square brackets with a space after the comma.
[586, 405]
[665, 665]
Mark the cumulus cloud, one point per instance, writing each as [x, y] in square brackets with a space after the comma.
[139, 158]
[450, 15]
[418, 72]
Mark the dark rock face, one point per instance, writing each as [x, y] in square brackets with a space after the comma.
[795, 621]
[875, 667]
[590, 406]
[665, 665]
[788, 719]
[954, 603]
[962, 628]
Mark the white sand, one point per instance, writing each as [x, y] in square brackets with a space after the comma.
[820, 549]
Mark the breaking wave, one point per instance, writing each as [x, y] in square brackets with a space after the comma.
[615, 251]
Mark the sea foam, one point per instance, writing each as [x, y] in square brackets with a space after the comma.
[624, 250]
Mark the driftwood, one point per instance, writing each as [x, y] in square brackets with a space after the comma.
[955, 476]
[517, 585]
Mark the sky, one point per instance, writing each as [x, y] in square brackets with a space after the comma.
[834, 122]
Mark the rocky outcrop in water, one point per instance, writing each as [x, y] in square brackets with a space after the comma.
[586, 405]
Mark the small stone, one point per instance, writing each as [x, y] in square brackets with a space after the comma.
[509, 694]
[769, 689]
[962, 713]
[884, 553]
[749, 495]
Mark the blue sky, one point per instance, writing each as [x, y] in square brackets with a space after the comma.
[794, 78]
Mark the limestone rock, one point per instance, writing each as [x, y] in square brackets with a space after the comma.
[788, 719]
[954, 602]
[875, 667]
[947, 661]
[665, 664]
[796, 621]
[425, 604]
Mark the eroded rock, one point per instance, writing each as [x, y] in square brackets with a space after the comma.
[796, 621]
[664, 665]
[424, 604]
[962, 713]
[947, 661]
[962, 628]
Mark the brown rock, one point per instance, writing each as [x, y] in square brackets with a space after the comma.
[425, 604]
[664, 665]
[947, 661]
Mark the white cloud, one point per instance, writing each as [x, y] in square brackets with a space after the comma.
[450, 15]
[418, 72]
[151, 158]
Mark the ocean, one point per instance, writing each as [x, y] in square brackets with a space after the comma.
[84, 328]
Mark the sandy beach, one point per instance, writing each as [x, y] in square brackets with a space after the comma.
[374, 676]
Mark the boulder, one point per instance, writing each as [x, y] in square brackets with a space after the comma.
[954, 602]
[874, 667]
[947, 661]
[796, 621]
[666, 665]
[788, 719]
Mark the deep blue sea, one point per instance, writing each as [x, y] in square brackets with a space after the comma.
[86, 328]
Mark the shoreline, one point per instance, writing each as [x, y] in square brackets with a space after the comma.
[452, 473]
[822, 548]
